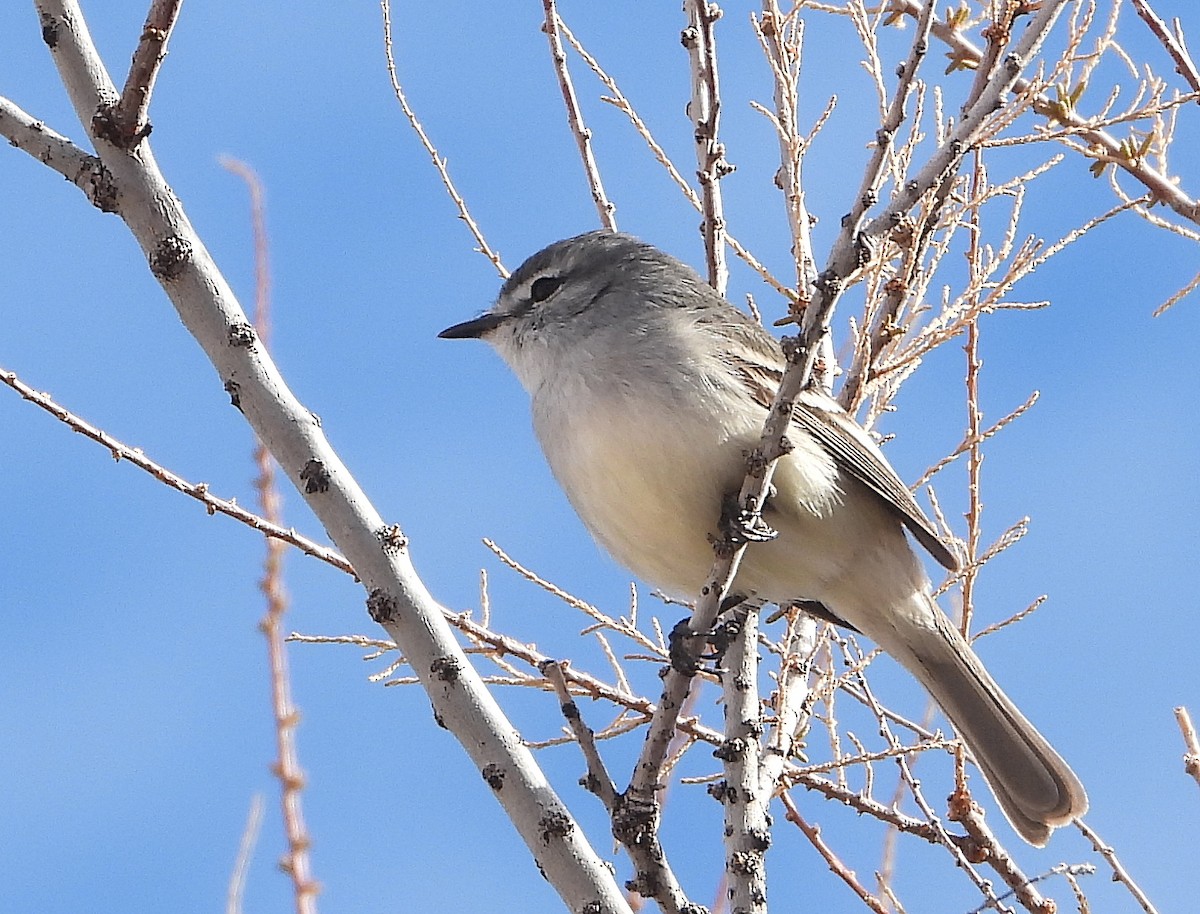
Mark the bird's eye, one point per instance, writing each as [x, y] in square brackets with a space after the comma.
[543, 287]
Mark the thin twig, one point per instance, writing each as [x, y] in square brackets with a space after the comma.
[196, 490]
[836, 865]
[583, 137]
[957, 850]
[241, 867]
[439, 161]
[1119, 872]
[619, 101]
[598, 780]
[1172, 41]
[129, 120]
[1178, 296]
[1160, 185]
[297, 862]
[700, 40]
[974, 432]
[782, 38]
[987, 848]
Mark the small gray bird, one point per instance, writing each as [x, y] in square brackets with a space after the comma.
[648, 389]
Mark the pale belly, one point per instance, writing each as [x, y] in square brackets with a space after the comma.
[654, 501]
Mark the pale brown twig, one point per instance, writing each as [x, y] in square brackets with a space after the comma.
[619, 101]
[196, 490]
[987, 847]
[1172, 41]
[968, 442]
[836, 865]
[943, 837]
[1160, 185]
[1119, 872]
[781, 38]
[127, 123]
[583, 137]
[439, 161]
[1015, 617]
[1178, 296]
[974, 431]
[297, 861]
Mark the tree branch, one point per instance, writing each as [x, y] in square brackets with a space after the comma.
[398, 599]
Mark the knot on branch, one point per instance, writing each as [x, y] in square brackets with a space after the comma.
[50, 30]
[634, 821]
[315, 477]
[172, 256]
[392, 538]
[555, 824]
[723, 792]
[759, 839]
[829, 282]
[109, 125]
[731, 749]
[381, 606]
[241, 335]
[446, 669]
[793, 346]
[494, 775]
[234, 389]
[682, 648]
[745, 863]
[101, 189]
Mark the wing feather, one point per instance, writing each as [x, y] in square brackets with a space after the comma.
[754, 356]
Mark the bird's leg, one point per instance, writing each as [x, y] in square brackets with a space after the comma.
[681, 642]
[741, 524]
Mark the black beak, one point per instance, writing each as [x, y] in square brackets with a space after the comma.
[472, 329]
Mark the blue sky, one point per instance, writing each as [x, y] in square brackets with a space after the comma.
[134, 716]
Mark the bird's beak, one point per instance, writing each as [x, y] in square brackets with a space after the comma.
[472, 329]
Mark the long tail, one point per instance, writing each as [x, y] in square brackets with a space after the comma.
[1036, 789]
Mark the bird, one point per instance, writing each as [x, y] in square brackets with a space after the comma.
[647, 391]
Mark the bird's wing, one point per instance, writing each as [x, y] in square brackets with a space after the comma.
[854, 451]
[753, 355]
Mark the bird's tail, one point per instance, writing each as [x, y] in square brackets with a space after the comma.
[1036, 789]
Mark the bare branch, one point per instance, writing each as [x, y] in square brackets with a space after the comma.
[398, 599]
[52, 149]
[1160, 185]
[196, 490]
[1118, 870]
[622, 104]
[598, 780]
[297, 862]
[128, 123]
[782, 40]
[747, 834]
[836, 866]
[583, 137]
[705, 111]
[237, 879]
[1172, 41]
[439, 161]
